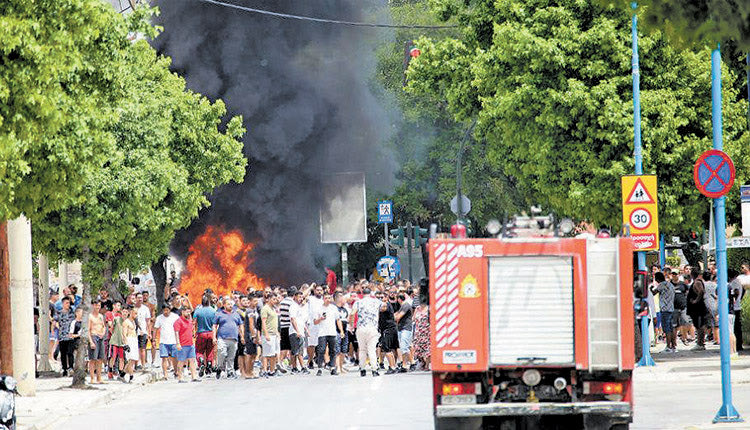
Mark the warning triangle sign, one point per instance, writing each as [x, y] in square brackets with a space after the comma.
[639, 194]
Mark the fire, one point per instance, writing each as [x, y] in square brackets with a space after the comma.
[220, 260]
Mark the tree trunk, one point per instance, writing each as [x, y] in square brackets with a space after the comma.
[82, 348]
[22, 304]
[160, 279]
[6, 331]
[109, 284]
[44, 321]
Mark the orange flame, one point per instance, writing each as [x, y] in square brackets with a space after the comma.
[220, 260]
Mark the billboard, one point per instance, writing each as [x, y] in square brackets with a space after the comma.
[343, 214]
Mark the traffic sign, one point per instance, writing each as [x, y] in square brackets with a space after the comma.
[713, 173]
[385, 212]
[640, 210]
[388, 268]
[640, 219]
[739, 242]
[465, 205]
[745, 193]
[640, 194]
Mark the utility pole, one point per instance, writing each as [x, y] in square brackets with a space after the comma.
[6, 328]
[387, 240]
[44, 317]
[727, 411]
[459, 167]
[646, 359]
[409, 236]
[344, 265]
[62, 277]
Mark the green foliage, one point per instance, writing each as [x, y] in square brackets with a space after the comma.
[550, 84]
[673, 261]
[428, 138]
[58, 80]
[736, 257]
[697, 21]
[169, 153]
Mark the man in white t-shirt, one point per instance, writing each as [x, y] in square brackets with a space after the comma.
[143, 326]
[314, 308]
[297, 328]
[167, 339]
[327, 321]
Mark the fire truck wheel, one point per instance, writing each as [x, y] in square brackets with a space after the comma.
[473, 423]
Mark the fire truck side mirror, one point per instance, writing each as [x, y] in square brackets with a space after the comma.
[640, 285]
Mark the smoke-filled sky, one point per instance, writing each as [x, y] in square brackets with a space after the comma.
[306, 93]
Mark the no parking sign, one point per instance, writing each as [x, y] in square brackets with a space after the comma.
[713, 173]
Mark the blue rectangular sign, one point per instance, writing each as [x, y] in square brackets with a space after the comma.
[385, 212]
[745, 193]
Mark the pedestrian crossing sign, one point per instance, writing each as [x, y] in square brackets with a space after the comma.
[640, 215]
[640, 194]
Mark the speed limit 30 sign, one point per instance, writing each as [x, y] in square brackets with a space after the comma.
[640, 211]
[640, 219]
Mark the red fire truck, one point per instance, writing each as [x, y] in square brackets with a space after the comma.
[532, 333]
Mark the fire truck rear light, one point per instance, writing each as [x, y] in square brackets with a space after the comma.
[612, 388]
[606, 388]
[459, 389]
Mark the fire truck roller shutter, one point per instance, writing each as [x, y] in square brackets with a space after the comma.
[531, 310]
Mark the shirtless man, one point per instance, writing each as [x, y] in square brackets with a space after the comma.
[97, 331]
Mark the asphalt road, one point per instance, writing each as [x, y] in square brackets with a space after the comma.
[682, 395]
[299, 402]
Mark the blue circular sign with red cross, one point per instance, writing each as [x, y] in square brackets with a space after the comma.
[713, 173]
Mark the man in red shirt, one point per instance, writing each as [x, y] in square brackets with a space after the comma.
[331, 280]
[183, 328]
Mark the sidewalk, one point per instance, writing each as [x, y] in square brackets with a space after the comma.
[683, 390]
[55, 400]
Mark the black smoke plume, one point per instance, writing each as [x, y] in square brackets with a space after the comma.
[307, 94]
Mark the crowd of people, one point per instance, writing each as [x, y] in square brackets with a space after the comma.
[369, 326]
[684, 305]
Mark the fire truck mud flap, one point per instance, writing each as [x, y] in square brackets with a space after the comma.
[605, 408]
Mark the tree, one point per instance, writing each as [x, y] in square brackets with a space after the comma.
[549, 82]
[170, 152]
[427, 140]
[57, 88]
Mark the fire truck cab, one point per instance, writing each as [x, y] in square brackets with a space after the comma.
[532, 333]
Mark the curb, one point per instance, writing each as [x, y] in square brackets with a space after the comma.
[106, 396]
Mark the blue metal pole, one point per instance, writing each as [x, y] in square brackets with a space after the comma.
[636, 69]
[662, 252]
[637, 113]
[727, 412]
[646, 359]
